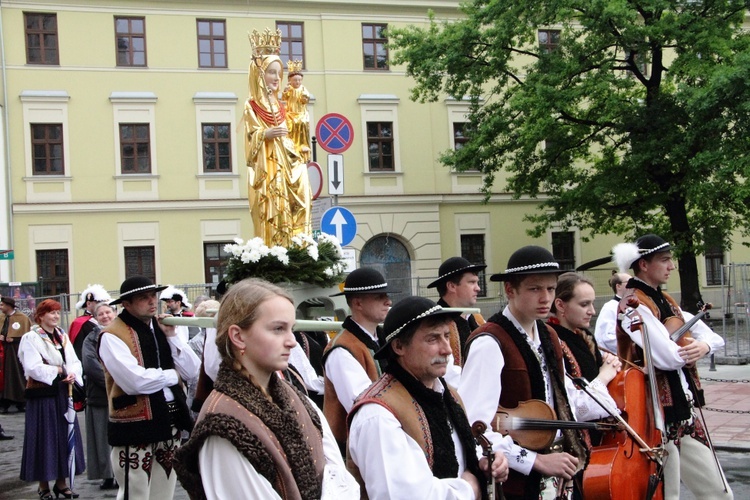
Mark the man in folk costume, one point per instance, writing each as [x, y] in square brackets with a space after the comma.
[145, 363]
[177, 305]
[513, 358]
[690, 456]
[606, 322]
[408, 434]
[348, 360]
[14, 324]
[458, 286]
[85, 323]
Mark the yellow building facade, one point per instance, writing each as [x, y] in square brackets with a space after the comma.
[124, 151]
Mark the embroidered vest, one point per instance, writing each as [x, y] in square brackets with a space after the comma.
[517, 387]
[143, 418]
[391, 394]
[332, 408]
[458, 341]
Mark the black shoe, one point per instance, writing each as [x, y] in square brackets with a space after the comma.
[65, 492]
[109, 484]
[4, 436]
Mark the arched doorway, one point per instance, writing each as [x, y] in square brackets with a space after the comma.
[391, 257]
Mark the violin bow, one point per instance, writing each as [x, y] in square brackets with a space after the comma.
[584, 385]
[631, 364]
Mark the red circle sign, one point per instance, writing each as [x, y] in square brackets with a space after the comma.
[334, 133]
[315, 173]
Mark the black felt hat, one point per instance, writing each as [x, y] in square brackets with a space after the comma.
[453, 266]
[135, 285]
[364, 280]
[8, 300]
[405, 313]
[625, 255]
[530, 259]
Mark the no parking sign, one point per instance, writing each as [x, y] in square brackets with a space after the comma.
[334, 133]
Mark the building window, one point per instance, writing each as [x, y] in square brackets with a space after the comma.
[472, 249]
[374, 48]
[549, 40]
[292, 41]
[139, 261]
[380, 146]
[563, 249]
[212, 44]
[130, 38]
[52, 272]
[41, 38]
[459, 135]
[215, 261]
[389, 256]
[217, 147]
[47, 149]
[714, 262]
[135, 154]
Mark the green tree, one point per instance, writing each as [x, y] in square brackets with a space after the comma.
[636, 120]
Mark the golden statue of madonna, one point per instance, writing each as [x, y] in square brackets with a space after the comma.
[278, 186]
[296, 97]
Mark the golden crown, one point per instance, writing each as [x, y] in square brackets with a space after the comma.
[294, 67]
[266, 43]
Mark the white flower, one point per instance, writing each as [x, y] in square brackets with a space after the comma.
[236, 250]
[312, 250]
[297, 241]
[255, 244]
[280, 253]
[239, 241]
[245, 257]
[328, 271]
[255, 256]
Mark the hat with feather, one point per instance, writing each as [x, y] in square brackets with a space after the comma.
[95, 293]
[172, 293]
[626, 255]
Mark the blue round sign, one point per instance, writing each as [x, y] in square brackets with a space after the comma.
[339, 222]
[334, 133]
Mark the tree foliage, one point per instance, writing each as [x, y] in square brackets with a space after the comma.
[637, 121]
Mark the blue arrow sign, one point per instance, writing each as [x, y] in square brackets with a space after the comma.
[339, 222]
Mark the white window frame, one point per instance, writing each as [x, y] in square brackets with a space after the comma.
[135, 107]
[381, 108]
[46, 107]
[217, 107]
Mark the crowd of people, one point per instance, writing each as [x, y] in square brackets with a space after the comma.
[408, 400]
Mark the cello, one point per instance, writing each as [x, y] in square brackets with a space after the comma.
[628, 465]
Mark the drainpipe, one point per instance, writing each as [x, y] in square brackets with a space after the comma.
[8, 265]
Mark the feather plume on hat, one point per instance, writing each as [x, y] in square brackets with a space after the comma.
[93, 292]
[624, 254]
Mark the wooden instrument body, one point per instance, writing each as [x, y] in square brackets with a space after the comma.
[532, 439]
[618, 469]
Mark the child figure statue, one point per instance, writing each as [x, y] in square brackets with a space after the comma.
[296, 97]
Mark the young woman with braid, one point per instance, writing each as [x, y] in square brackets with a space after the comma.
[257, 436]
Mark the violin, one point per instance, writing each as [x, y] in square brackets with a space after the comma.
[679, 330]
[533, 424]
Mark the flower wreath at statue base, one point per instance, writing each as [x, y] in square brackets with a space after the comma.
[316, 261]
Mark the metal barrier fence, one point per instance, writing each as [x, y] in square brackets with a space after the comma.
[730, 317]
